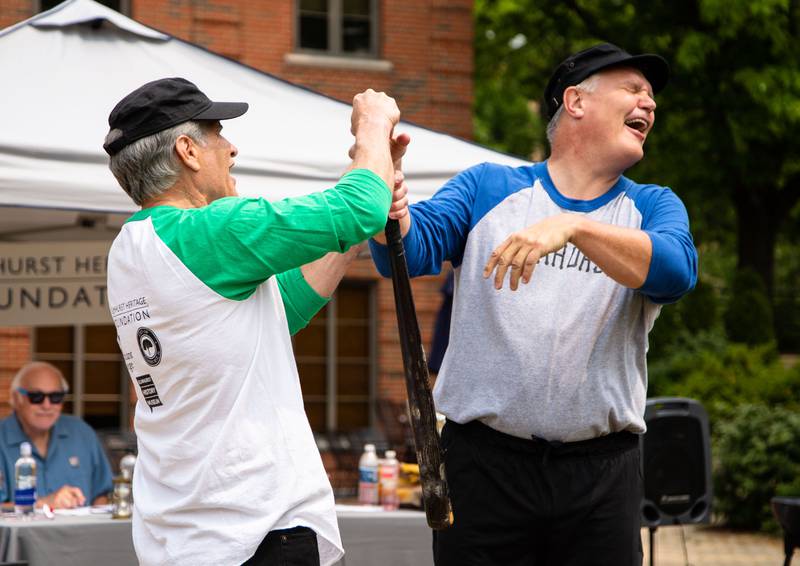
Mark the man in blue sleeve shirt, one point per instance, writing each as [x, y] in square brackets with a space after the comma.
[544, 388]
[71, 467]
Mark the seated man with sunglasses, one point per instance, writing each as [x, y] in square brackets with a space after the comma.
[71, 468]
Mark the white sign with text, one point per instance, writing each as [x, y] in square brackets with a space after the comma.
[53, 283]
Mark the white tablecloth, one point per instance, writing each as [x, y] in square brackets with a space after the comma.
[397, 538]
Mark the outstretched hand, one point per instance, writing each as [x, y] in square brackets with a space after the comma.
[370, 107]
[522, 250]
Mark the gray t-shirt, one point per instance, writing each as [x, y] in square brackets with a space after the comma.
[564, 357]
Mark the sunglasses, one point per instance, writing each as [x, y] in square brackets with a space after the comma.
[37, 397]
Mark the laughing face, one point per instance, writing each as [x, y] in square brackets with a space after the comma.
[619, 115]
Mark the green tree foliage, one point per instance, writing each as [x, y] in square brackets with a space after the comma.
[726, 134]
[748, 318]
[680, 324]
[723, 375]
[787, 289]
[757, 457]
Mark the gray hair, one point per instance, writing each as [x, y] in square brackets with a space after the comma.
[588, 84]
[28, 369]
[149, 166]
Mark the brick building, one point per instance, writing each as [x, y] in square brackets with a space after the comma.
[419, 51]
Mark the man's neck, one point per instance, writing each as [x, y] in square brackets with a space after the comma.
[40, 439]
[581, 176]
[178, 196]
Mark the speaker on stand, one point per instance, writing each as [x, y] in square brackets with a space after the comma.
[676, 465]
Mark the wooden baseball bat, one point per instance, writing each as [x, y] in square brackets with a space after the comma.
[438, 510]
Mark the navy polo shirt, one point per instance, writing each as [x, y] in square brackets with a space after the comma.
[74, 457]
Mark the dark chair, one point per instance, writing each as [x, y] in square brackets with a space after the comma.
[787, 511]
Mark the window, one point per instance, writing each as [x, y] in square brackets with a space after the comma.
[338, 27]
[89, 358]
[336, 360]
[122, 6]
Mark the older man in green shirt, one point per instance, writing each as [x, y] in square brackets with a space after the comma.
[205, 289]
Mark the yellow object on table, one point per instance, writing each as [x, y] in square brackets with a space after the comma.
[409, 489]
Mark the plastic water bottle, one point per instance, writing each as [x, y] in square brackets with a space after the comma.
[368, 476]
[25, 481]
[390, 475]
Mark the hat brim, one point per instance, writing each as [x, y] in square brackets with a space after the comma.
[654, 68]
[222, 111]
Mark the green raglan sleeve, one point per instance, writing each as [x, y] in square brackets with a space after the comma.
[300, 301]
[235, 244]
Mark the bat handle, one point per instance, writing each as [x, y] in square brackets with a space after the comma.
[393, 237]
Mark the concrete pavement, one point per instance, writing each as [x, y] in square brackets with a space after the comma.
[710, 546]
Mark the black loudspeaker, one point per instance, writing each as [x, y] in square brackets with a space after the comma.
[676, 463]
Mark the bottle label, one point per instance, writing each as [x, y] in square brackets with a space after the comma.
[388, 472]
[368, 493]
[368, 475]
[25, 496]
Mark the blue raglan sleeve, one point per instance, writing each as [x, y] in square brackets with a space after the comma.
[673, 265]
[439, 227]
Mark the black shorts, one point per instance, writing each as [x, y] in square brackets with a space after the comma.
[287, 547]
[520, 502]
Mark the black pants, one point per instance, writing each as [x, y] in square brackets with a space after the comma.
[523, 502]
[287, 547]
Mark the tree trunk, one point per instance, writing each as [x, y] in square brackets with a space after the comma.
[759, 214]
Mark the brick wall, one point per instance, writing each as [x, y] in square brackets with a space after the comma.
[13, 11]
[15, 347]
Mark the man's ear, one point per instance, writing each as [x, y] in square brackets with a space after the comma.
[573, 102]
[188, 152]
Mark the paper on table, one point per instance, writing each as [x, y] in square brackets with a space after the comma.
[84, 511]
[359, 508]
[76, 512]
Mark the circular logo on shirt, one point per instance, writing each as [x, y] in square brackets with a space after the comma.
[149, 346]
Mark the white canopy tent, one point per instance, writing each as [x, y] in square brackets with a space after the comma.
[63, 71]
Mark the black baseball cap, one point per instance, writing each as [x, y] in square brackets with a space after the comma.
[575, 68]
[162, 104]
